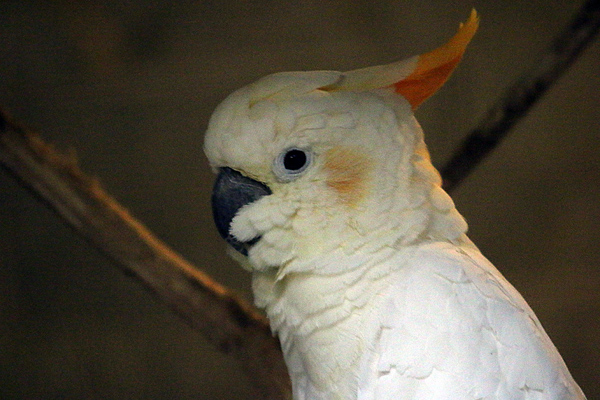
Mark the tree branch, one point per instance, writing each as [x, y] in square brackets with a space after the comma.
[228, 322]
[520, 97]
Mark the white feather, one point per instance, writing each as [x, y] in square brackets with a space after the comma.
[385, 298]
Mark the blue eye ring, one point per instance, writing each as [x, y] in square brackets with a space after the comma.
[291, 163]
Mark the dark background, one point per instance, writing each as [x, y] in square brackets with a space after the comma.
[131, 84]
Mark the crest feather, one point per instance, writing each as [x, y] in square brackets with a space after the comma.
[415, 78]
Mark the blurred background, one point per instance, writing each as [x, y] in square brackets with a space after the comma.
[131, 84]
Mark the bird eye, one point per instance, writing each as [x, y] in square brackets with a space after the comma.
[291, 163]
[294, 160]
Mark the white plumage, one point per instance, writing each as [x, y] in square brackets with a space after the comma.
[358, 256]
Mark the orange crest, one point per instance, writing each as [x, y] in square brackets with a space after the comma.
[416, 78]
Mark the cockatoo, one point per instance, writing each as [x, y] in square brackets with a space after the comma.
[326, 191]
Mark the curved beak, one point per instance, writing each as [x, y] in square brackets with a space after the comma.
[231, 192]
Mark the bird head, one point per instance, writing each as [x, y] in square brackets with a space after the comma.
[311, 164]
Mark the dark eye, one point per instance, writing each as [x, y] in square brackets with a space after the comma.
[291, 163]
[294, 160]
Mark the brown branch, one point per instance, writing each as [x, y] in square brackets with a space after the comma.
[523, 94]
[228, 322]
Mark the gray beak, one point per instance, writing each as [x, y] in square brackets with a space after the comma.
[231, 192]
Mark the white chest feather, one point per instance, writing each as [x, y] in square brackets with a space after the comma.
[434, 321]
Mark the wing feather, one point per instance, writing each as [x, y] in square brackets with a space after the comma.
[454, 328]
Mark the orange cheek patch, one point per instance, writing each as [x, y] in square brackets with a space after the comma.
[347, 174]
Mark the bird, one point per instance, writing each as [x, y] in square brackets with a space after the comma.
[326, 192]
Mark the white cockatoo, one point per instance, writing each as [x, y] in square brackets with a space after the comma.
[326, 190]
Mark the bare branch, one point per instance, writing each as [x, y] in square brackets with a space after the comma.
[228, 322]
[519, 97]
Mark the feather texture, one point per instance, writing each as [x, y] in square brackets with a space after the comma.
[361, 261]
[432, 321]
